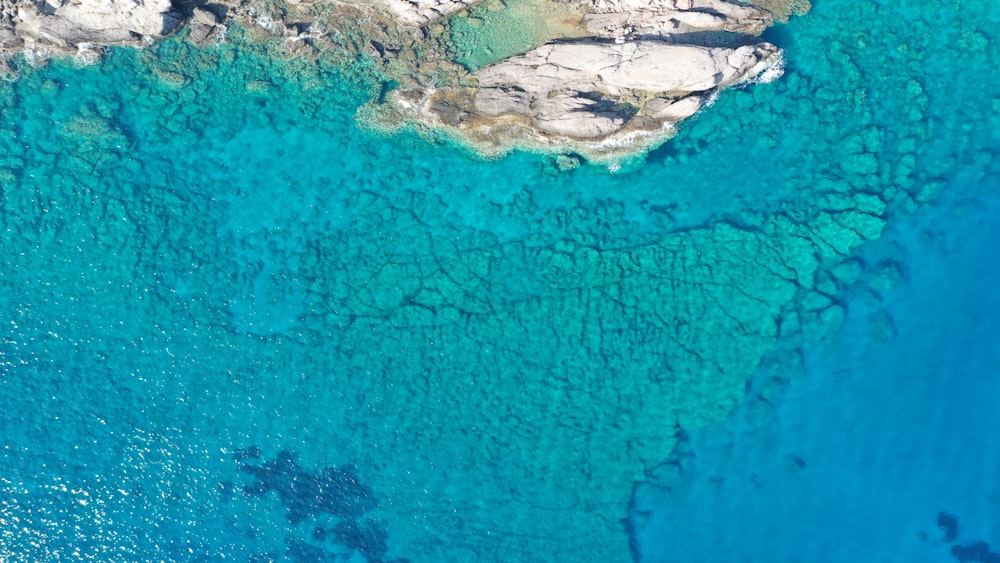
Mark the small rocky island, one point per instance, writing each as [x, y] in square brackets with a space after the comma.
[641, 68]
[618, 82]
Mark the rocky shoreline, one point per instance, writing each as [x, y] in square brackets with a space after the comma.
[632, 72]
[642, 68]
[68, 27]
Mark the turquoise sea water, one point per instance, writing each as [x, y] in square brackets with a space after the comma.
[235, 326]
[875, 446]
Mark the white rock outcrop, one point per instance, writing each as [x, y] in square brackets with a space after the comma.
[416, 13]
[67, 25]
[646, 65]
[576, 89]
[619, 69]
[671, 20]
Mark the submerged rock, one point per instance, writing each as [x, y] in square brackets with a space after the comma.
[207, 25]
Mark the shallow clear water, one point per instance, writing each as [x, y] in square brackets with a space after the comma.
[235, 325]
[495, 30]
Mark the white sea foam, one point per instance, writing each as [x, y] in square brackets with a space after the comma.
[265, 21]
[87, 54]
[773, 71]
[712, 97]
[221, 37]
[35, 57]
[766, 71]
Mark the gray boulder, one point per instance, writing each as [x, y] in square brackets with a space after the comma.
[620, 69]
[593, 89]
[646, 65]
[669, 19]
[72, 24]
[417, 13]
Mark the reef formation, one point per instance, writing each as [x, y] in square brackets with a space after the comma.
[615, 79]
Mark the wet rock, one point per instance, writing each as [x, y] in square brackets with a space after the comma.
[205, 17]
[207, 24]
[566, 162]
[202, 35]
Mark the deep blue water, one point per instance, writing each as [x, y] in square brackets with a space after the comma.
[865, 447]
[237, 326]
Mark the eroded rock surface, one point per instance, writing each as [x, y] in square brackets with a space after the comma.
[644, 67]
[66, 25]
[588, 89]
[415, 13]
[618, 70]
[641, 67]
[671, 20]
